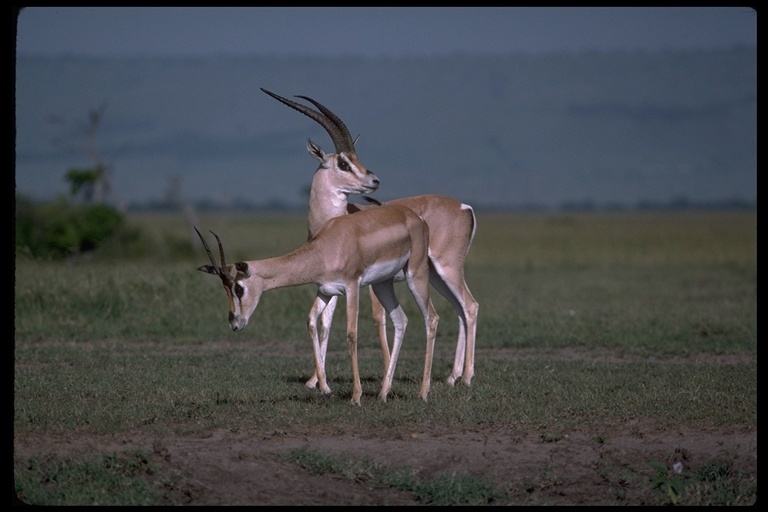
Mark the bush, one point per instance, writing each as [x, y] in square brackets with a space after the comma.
[60, 228]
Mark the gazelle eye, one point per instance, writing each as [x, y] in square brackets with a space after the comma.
[239, 290]
[342, 164]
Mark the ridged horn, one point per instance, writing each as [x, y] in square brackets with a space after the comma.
[335, 127]
[218, 269]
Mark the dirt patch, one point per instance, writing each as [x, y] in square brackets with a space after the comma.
[248, 468]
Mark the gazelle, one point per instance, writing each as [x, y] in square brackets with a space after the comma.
[348, 253]
[451, 224]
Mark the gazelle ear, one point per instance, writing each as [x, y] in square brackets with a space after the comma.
[243, 270]
[315, 151]
[208, 268]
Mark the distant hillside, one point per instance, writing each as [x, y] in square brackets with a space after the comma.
[600, 128]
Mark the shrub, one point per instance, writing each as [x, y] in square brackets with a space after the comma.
[60, 228]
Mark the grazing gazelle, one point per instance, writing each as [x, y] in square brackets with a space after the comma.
[451, 224]
[348, 253]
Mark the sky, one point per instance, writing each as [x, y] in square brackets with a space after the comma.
[327, 32]
[375, 31]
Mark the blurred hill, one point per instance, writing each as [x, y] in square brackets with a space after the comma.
[596, 128]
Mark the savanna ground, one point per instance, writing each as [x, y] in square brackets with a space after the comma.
[242, 466]
[666, 378]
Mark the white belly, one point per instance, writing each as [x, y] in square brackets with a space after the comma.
[383, 270]
[333, 288]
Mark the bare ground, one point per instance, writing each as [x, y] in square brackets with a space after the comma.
[246, 467]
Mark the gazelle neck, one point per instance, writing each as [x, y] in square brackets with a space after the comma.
[326, 201]
[299, 267]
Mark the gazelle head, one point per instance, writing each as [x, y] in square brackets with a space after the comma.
[348, 174]
[243, 294]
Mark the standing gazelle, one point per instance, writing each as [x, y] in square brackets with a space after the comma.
[451, 224]
[348, 253]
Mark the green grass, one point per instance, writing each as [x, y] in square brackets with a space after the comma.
[111, 479]
[104, 346]
[191, 388]
[445, 490]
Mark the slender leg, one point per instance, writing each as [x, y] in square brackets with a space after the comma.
[453, 287]
[324, 331]
[380, 323]
[420, 289]
[320, 303]
[353, 305]
[385, 292]
[471, 311]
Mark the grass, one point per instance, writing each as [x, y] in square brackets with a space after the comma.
[651, 299]
[112, 479]
[445, 490]
[62, 389]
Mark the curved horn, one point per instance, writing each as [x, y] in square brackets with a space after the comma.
[333, 117]
[335, 127]
[207, 249]
[215, 268]
[221, 249]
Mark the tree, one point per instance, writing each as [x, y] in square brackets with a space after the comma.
[83, 182]
[94, 183]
